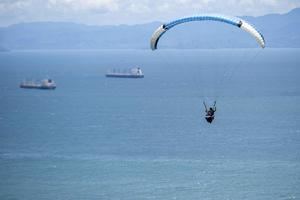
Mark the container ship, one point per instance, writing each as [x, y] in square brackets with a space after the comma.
[132, 73]
[44, 84]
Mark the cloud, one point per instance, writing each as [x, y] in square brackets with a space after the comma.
[84, 5]
[13, 4]
[131, 11]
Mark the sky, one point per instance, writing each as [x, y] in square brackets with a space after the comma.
[114, 12]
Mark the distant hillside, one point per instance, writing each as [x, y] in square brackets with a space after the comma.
[279, 31]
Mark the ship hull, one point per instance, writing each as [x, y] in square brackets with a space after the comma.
[124, 76]
[38, 87]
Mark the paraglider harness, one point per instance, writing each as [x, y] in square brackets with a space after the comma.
[210, 113]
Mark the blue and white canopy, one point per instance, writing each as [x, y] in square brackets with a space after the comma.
[220, 18]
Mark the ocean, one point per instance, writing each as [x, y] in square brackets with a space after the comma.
[130, 139]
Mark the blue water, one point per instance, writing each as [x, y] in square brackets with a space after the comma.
[104, 138]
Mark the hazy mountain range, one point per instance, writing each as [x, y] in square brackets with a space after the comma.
[280, 31]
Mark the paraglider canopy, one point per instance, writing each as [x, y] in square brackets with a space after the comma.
[234, 21]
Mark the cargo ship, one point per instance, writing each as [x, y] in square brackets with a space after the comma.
[44, 84]
[132, 73]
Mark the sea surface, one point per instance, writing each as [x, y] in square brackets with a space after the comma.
[132, 139]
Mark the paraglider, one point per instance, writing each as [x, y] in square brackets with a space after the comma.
[210, 113]
[234, 21]
[219, 18]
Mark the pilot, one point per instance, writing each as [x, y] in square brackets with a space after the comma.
[210, 113]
